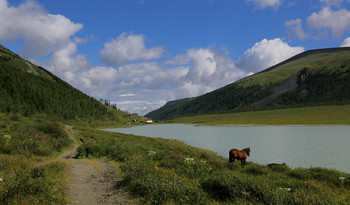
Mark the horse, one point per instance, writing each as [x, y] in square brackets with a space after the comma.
[239, 154]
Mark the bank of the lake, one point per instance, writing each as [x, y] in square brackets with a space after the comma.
[298, 146]
[316, 115]
[163, 171]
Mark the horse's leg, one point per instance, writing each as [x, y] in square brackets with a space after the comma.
[243, 162]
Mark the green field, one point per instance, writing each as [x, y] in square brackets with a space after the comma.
[318, 115]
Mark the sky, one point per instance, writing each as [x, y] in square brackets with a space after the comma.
[141, 54]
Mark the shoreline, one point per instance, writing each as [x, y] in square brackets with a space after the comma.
[268, 125]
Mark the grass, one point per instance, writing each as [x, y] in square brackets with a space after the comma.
[22, 183]
[161, 171]
[29, 172]
[157, 171]
[318, 60]
[318, 115]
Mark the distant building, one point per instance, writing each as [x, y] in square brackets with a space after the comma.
[127, 116]
[147, 120]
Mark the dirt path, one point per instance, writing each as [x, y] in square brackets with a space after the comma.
[91, 181]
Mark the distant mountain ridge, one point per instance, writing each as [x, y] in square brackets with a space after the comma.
[28, 89]
[314, 77]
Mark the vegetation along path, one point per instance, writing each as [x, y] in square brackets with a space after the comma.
[92, 181]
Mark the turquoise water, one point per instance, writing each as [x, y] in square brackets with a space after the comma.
[303, 146]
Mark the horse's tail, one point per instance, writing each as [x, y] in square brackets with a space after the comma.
[230, 158]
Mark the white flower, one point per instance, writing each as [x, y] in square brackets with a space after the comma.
[189, 160]
[286, 189]
[342, 178]
[151, 153]
[1, 179]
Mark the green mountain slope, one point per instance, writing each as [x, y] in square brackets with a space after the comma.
[315, 77]
[28, 89]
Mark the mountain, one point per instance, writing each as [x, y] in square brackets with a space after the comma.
[315, 77]
[28, 89]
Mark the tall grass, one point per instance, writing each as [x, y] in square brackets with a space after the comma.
[20, 183]
[31, 137]
[25, 142]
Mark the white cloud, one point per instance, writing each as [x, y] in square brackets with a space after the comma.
[128, 48]
[187, 75]
[295, 29]
[346, 43]
[337, 21]
[76, 70]
[127, 95]
[42, 32]
[266, 53]
[265, 3]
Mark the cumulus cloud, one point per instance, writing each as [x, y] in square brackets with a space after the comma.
[42, 32]
[77, 71]
[197, 71]
[126, 48]
[265, 3]
[337, 21]
[266, 53]
[295, 29]
[346, 43]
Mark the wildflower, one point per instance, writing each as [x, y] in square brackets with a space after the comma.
[189, 160]
[286, 189]
[151, 153]
[342, 178]
[1, 179]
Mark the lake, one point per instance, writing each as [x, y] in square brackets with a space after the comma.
[298, 146]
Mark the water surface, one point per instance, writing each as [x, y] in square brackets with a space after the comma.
[298, 146]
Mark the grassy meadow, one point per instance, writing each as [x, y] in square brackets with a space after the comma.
[161, 171]
[154, 170]
[317, 115]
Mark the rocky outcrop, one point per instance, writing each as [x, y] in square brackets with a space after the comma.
[290, 84]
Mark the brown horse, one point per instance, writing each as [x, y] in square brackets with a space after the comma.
[239, 154]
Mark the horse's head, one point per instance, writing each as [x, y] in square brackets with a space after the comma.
[247, 150]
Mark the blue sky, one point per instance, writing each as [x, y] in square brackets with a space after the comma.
[143, 53]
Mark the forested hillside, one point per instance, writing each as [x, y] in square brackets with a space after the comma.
[316, 77]
[27, 89]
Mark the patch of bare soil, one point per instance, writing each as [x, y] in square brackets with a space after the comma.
[91, 181]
